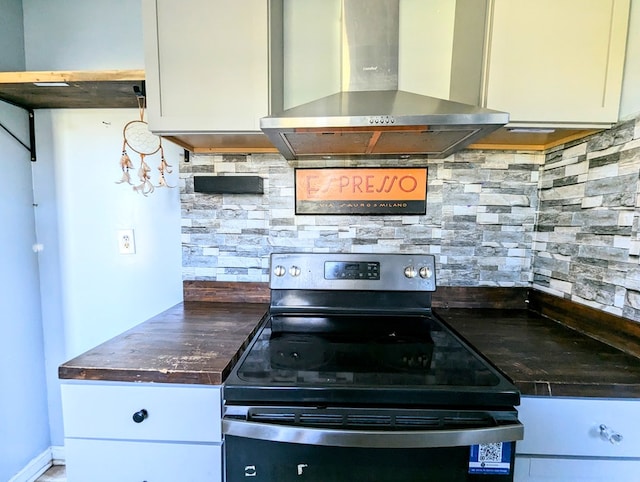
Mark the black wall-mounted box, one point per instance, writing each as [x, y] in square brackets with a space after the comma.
[228, 184]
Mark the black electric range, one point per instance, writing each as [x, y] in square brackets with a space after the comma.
[350, 355]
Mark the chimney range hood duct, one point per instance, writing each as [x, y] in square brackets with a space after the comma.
[371, 118]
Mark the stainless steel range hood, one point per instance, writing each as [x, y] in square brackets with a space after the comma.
[370, 117]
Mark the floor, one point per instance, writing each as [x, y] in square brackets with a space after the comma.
[54, 474]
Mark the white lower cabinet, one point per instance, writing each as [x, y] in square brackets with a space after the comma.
[576, 439]
[545, 469]
[130, 432]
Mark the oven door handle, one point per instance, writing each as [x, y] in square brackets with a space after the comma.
[372, 438]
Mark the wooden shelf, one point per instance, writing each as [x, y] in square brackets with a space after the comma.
[84, 89]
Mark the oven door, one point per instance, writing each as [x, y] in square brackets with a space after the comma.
[292, 444]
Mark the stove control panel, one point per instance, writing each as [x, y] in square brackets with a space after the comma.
[380, 272]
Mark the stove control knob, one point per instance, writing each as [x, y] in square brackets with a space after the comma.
[410, 272]
[294, 271]
[279, 270]
[425, 272]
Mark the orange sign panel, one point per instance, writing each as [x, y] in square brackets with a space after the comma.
[361, 190]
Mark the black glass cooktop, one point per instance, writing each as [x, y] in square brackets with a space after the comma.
[412, 360]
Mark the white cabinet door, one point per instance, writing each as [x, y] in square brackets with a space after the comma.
[206, 64]
[556, 61]
[124, 461]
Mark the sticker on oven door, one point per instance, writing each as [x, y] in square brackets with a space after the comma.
[494, 458]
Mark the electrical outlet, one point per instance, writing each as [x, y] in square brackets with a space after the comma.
[126, 242]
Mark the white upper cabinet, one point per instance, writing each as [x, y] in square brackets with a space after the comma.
[207, 65]
[216, 66]
[556, 62]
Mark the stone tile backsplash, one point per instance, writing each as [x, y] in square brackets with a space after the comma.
[481, 212]
[566, 221]
[587, 243]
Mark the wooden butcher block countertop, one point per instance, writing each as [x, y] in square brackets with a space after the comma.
[192, 342]
[544, 357]
[199, 342]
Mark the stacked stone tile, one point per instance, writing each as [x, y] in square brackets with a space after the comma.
[481, 211]
[587, 245]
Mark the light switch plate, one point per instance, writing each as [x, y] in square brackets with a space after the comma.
[126, 242]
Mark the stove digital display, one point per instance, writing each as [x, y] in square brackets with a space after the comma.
[360, 270]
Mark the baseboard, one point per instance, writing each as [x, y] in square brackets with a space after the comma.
[39, 465]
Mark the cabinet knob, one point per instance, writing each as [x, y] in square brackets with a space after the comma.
[140, 415]
[609, 434]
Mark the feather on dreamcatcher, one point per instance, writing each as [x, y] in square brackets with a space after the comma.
[138, 138]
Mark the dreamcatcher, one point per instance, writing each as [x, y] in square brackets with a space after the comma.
[138, 138]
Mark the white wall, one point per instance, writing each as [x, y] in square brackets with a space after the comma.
[24, 426]
[11, 36]
[83, 35]
[104, 292]
[89, 291]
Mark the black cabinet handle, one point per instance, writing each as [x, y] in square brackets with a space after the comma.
[140, 415]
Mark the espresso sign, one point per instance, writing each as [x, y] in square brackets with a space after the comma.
[361, 191]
